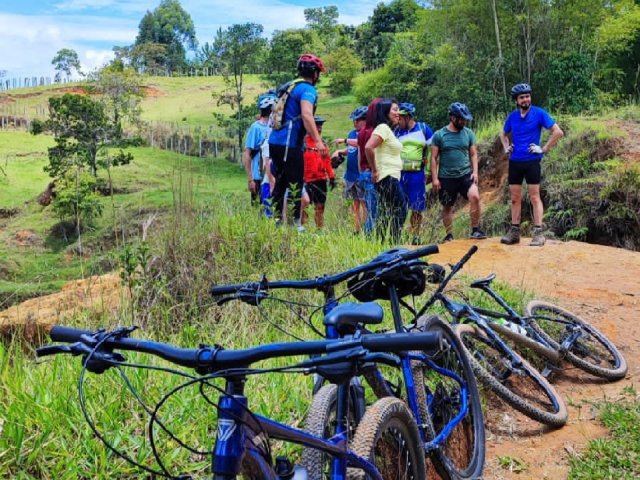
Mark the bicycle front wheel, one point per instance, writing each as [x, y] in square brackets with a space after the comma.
[321, 422]
[590, 351]
[388, 437]
[463, 449]
[512, 378]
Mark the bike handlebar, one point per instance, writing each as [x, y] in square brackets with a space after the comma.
[207, 359]
[327, 281]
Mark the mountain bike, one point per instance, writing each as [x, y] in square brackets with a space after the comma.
[385, 446]
[494, 362]
[554, 333]
[439, 386]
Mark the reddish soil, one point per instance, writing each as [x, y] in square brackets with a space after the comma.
[598, 283]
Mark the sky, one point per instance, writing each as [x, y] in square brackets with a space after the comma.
[33, 31]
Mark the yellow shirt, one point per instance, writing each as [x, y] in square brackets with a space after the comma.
[388, 159]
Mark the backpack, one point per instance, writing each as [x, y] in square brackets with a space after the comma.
[283, 94]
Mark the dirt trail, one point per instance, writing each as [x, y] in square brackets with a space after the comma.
[600, 284]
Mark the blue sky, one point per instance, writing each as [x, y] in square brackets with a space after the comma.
[33, 31]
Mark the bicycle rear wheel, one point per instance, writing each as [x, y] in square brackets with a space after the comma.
[591, 351]
[521, 386]
[439, 399]
[388, 437]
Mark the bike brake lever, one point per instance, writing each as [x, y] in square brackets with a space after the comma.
[52, 350]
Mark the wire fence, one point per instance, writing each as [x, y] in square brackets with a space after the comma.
[7, 84]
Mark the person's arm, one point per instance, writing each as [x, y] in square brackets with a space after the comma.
[473, 156]
[306, 108]
[504, 139]
[435, 154]
[247, 167]
[370, 151]
[556, 134]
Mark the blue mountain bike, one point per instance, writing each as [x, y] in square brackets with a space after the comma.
[386, 446]
[439, 386]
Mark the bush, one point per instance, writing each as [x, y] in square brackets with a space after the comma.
[76, 199]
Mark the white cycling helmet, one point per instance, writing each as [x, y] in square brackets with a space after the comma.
[266, 101]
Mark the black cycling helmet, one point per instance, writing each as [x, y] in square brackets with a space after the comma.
[319, 120]
[460, 110]
[409, 278]
[407, 108]
[308, 64]
[520, 89]
[359, 113]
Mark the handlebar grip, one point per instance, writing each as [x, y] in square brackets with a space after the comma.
[398, 342]
[468, 255]
[421, 252]
[59, 333]
[230, 289]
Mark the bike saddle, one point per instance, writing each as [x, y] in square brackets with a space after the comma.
[483, 282]
[369, 313]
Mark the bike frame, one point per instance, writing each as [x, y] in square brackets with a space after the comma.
[235, 421]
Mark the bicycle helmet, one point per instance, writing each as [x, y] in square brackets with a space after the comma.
[407, 109]
[309, 63]
[520, 89]
[319, 120]
[266, 101]
[460, 110]
[409, 278]
[359, 113]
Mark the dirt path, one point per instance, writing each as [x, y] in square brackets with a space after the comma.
[600, 284]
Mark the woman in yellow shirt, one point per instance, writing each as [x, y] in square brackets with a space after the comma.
[383, 154]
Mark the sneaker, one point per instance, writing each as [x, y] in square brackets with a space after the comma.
[448, 238]
[513, 236]
[478, 235]
[538, 238]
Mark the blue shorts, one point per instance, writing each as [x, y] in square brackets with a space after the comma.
[414, 188]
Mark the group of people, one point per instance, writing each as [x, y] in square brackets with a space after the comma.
[387, 161]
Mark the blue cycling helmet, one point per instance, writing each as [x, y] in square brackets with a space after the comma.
[520, 89]
[407, 109]
[266, 100]
[359, 113]
[460, 110]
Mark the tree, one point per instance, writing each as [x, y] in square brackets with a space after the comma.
[323, 21]
[120, 90]
[65, 61]
[344, 65]
[286, 46]
[239, 48]
[168, 25]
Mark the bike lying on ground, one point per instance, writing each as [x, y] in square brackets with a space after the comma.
[440, 387]
[386, 445]
[494, 362]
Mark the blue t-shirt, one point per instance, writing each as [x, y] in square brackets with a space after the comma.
[525, 131]
[426, 129]
[255, 136]
[353, 173]
[302, 91]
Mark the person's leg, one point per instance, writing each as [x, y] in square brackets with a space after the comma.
[516, 176]
[415, 190]
[319, 216]
[536, 203]
[295, 177]
[280, 187]
[533, 178]
[473, 195]
[399, 210]
[305, 201]
[447, 194]
[360, 216]
[516, 203]
[381, 222]
[447, 219]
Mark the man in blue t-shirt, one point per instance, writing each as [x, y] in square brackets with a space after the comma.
[525, 126]
[415, 138]
[286, 144]
[352, 188]
[253, 145]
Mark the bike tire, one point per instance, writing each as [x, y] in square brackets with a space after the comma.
[255, 467]
[388, 437]
[320, 421]
[593, 353]
[524, 389]
[464, 449]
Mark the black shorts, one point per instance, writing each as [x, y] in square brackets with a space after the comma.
[317, 191]
[529, 171]
[451, 187]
